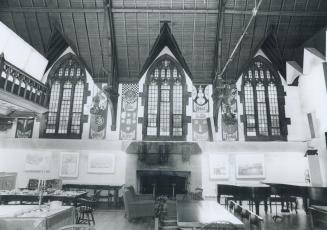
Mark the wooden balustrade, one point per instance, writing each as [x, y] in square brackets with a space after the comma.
[21, 84]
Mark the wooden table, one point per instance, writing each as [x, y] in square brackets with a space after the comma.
[95, 187]
[31, 217]
[194, 214]
[33, 196]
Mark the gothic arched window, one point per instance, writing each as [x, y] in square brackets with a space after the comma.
[264, 102]
[67, 82]
[165, 105]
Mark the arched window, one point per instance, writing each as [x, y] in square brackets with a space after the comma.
[165, 106]
[67, 81]
[264, 102]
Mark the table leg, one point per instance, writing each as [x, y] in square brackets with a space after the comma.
[266, 206]
[257, 207]
[116, 197]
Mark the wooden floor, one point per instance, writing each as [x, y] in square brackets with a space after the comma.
[115, 220]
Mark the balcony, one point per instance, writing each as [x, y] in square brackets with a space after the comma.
[20, 93]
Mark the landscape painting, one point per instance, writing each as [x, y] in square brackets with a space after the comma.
[101, 163]
[37, 161]
[218, 165]
[250, 166]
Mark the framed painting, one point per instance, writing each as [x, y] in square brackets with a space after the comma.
[37, 161]
[69, 162]
[250, 166]
[101, 163]
[219, 166]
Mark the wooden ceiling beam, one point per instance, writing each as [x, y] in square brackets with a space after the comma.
[159, 10]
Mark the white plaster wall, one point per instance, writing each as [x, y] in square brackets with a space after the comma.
[313, 97]
[13, 153]
[279, 157]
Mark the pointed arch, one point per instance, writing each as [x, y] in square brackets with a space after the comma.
[263, 102]
[165, 105]
[67, 79]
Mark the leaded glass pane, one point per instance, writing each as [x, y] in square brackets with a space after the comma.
[152, 109]
[262, 110]
[274, 112]
[65, 108]
[165, 101]
[77, 107]
[249, 109]
[53, 108]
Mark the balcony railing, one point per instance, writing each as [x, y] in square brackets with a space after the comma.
[21, 84]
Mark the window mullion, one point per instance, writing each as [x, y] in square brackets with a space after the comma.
[59, 105]
[171, 112]
[268, 108]
[70, 115]
[255, 102]
[158, 105]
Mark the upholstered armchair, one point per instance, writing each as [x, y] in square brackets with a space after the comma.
[135, 208]
[139, 196]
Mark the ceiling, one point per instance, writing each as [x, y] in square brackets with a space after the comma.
[136, 25]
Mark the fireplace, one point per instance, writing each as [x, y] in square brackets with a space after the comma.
[167, 183]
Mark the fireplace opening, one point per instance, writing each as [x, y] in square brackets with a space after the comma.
[167, 183]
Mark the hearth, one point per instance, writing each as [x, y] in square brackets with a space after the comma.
[167, 183]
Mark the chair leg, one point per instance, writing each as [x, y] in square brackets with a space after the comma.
[92, 218]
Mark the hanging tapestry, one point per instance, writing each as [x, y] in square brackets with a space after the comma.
[200, 97]
[24, 128]
[128, 117]
[229, 114]
[98, 113]
[200, 130]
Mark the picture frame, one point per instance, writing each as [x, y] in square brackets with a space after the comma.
[101, 163]
[69, 163]
[37, 161]
[219, 166]
[250, 166]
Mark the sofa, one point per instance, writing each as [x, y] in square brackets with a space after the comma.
[136, 207]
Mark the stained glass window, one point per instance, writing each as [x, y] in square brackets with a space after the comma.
[67, 80]
[165, 106]
[263, 102]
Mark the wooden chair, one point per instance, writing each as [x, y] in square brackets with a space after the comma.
[85, 208]
[231, 206]
[245, 214]
[237, 210]
[256, 221]
[220, 225]
[33, 184]
[77, 227]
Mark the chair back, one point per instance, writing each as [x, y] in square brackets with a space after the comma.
[237, 209]
[54, 184]
[231, 206]
[131, 189]
[245, 214]
[255, 220]
[33, 184]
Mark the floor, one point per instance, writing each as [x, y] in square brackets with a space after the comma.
[115, 220]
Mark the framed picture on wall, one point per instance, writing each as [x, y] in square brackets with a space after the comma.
[101, 163]
[69, 162]
[219, 166]
[37, 161]
[250, 166]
